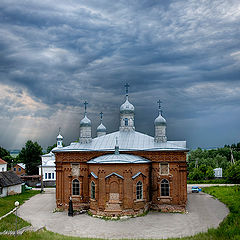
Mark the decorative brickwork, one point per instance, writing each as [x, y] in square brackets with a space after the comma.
[116, 184]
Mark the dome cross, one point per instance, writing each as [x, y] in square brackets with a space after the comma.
[126, 86]
[159, 106]
[101, 116]
[85, 106]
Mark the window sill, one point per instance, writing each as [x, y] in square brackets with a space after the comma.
[164, 197]
[139, 200]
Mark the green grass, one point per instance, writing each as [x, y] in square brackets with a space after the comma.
[7, 204]
[229, 229]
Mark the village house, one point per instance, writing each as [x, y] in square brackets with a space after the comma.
[3, 165]
[122, 173]
[19, 169]
[10, 184]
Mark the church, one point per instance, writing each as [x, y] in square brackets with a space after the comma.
[122, 173]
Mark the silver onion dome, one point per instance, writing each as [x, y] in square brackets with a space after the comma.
[127, 107]
[101, 128]
[160, 121]
[85, 122]
[59, 137]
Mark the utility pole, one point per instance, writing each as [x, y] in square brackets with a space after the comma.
[232, 159]
[41, 177]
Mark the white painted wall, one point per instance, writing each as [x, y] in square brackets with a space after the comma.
[11, 190]
[3, 167]
[48, 171]
[217, 172]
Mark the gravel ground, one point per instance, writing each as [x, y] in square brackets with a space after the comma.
[203, 212]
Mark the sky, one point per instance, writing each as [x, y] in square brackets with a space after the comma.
[54, 55]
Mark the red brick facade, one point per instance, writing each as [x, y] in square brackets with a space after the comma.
[115, 185]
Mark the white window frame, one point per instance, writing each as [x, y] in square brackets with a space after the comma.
[73, 181]
[165, 184]
[93, 197]
[139, 192]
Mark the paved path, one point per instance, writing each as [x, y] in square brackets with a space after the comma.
[203, 212]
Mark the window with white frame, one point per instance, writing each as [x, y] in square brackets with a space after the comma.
[75, 187]
[164, 168]
[164, 187]
[52, 175]
[45, 175]
[49, 175]
[139, 192]
[93, 190]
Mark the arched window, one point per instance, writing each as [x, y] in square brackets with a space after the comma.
[75, 187]
[126, 121]
[164, 187]
[139, 194]
[93, 190]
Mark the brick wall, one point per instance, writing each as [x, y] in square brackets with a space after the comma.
[115, 194]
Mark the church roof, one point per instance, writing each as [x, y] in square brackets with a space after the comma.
[127, 140]
[118, 158]
[48, 160]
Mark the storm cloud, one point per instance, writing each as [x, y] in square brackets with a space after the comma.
[56, 54]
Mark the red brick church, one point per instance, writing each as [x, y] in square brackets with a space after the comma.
[124, 172]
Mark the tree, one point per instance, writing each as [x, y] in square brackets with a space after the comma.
[233, 173]
[210, 173]
[49, 149]
[196, 174]
[3, 153]
[31, 156]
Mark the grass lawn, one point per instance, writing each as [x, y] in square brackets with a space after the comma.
[229, 229]
[7, 204]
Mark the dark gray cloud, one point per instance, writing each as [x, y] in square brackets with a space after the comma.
[55, 54]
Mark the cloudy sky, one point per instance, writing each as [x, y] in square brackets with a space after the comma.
[56, 54]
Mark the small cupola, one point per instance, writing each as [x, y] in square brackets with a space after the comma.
[59, 140]
[160, 126]
[126, 114]
[85, 127]
[101, 129]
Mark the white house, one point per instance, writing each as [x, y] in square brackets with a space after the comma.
[10, 184]
[217, 172]
[3, 165]
[48, 165]
[49, 169]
